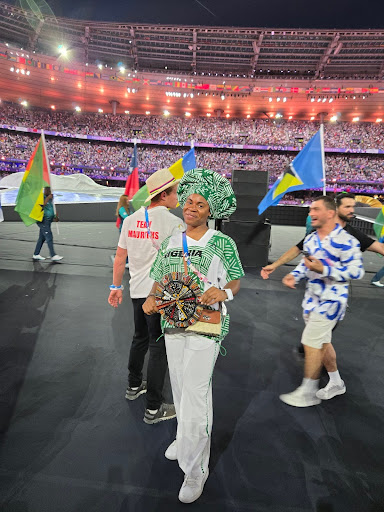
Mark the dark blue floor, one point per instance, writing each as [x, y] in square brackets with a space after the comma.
[70, 442]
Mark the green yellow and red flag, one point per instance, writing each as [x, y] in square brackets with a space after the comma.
[30, 199]
[379, 225]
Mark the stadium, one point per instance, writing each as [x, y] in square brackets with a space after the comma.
[248, 100]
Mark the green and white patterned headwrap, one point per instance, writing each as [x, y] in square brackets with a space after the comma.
[213, 187]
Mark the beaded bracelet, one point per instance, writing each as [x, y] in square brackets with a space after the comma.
[113, 287]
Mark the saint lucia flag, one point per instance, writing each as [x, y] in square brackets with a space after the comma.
[305, 172]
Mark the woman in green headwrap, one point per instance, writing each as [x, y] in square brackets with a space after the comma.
[214, 263]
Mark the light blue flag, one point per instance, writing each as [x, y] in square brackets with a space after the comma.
[305, 172]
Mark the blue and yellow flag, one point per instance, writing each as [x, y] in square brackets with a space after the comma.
[305, 172]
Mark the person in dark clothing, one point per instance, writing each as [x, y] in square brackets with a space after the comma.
[45, 234]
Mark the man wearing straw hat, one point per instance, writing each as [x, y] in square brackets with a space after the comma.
[141, 235]
[211, 258]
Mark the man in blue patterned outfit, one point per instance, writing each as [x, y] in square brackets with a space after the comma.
[331, 259]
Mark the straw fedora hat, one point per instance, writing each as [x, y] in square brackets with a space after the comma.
[160, 181]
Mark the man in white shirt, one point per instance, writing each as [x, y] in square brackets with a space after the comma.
[141, 243]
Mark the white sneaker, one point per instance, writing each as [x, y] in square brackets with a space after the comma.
[56, 257]
[171, 451]
[127, 265]
[37, 257]
[300, 398]
[377, 283]
[192, 488]
[331, 390]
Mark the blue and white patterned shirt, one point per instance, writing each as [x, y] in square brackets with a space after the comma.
[327, 293]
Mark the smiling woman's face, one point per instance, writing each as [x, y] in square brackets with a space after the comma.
[196, 210]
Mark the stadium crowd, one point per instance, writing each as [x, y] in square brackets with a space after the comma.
[114, 158]
[218, 131]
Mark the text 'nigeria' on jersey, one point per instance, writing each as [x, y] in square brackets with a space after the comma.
[179, 254]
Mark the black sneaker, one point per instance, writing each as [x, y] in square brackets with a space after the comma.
[132, 394]
[164, 412]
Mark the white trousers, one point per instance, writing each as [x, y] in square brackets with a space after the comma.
[191, 360]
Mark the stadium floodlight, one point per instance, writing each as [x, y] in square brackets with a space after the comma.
[100, 110]
[330, 100]
[284, 100]
[318, 100]
[277, 99]
[122, 69]
[324, 100]
[24, 103]
[100, 66]
[53, 107]
[379, 120]
[248, 116]
[355, 119]
[270, 99]
[147, 112]
[312, 100]
[166, 113]
[312, 118]
[227, 115]
[62, 50]
[77, 108]
[222, 97]
[209, 114]
[333, 119]
[12, 69]
[290, 117]
[126, 111]
[188, 114]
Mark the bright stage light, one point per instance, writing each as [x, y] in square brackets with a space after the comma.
[62, 50]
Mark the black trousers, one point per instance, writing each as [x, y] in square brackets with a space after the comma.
[147, 335]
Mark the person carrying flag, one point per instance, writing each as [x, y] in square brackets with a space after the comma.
[45, 234]
[141, 235]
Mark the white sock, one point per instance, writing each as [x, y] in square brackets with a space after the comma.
[310, 385]
[334, 378]
[152, 411]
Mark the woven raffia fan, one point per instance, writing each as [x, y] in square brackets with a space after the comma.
[368, 201]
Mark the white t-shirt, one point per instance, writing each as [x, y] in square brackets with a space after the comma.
[141, 252]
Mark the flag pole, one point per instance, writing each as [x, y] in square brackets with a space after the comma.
[322, 152]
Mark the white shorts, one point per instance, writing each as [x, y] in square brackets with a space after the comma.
[317, 330]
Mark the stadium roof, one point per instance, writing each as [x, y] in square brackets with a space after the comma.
[246, 56]
[312, 53]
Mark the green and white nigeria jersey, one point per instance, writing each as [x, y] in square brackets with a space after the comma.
[215, 255]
